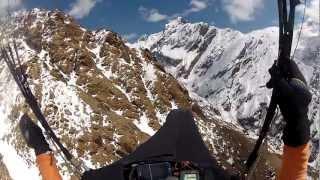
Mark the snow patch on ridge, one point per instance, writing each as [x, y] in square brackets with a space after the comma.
[143, 125]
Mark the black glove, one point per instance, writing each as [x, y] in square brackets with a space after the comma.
[293, 98]
[33, 135]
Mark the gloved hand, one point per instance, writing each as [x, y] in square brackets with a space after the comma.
[33, 135]
[293, 99]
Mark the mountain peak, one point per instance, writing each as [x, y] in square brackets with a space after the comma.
[176, 22]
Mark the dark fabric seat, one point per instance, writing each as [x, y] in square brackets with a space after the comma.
[177, 140]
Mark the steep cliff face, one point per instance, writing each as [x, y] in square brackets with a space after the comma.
[101, 97]
[229, 69]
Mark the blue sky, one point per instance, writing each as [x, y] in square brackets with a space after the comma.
[133, 18]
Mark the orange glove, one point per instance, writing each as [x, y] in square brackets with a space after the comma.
[294, 163]
[47, 167]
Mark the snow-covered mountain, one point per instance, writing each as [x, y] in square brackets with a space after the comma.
[229, 69]
[103, 98]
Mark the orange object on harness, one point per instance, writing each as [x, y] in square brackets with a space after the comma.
[47, 166]
[294, 163]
